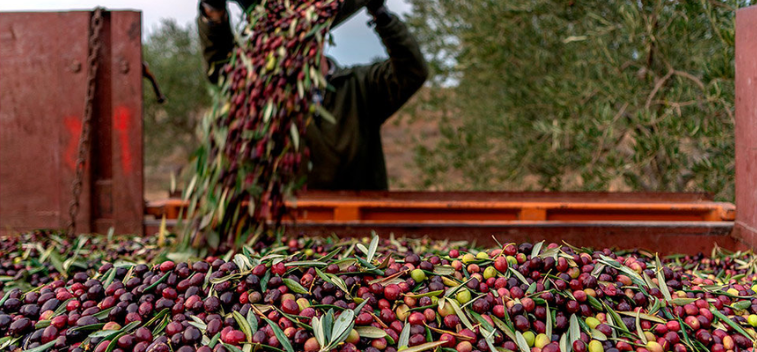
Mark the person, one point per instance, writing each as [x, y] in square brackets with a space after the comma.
[346, 155]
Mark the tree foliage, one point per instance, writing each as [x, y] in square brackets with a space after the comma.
[173, 55]
[581, 95]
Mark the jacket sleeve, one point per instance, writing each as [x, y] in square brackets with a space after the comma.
[389, 84]
[217, 43]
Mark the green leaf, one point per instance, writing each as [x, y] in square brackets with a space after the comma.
[521, 342]
[42, 348]
[661, 280]
[252, 321]
[318, 331]
[518, 275]
[645, 317]
[537, 248]
[58, 264]
[325, 114]
[370, 332]
[232, 348]
[427, 294]
[306, 263]
[639, 331]
[730, 322]
[424, 347]
[342, 327]
[156, 283]
[460, 314]
[574, 329]
[505, 329]
[548, 330]
[372, 248]
[283, 340]
[214, 340]
[327, 323]
[323, 276]
[264, 280]
[92, 327]
[5, 297]
[404, 337]
[243, 325]
[294, 286]
[340, 283]
[598, 335]
[564, 343]
[615, 320]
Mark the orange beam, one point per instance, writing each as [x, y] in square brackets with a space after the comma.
[324, 210]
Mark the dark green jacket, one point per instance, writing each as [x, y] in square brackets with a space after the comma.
[348, 155]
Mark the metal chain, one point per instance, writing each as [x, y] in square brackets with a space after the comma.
[94, 48]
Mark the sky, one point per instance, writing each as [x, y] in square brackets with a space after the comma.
[355, 42]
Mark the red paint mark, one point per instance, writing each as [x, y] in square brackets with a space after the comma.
[122, 122]
[73, 126]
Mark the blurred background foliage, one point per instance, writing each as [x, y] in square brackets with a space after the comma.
[580, 95]
[172, 52]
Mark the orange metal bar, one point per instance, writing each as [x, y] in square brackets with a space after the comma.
[366, 210]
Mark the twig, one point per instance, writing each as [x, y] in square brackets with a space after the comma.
[691, 77]
[657, 87]
[604, 134]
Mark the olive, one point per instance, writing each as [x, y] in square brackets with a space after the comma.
[192, 335]
[20, 326]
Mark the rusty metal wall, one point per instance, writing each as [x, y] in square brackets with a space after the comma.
[746, 126]
[42, 90]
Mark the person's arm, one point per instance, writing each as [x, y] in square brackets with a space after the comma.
[216, 37]
[389, 84]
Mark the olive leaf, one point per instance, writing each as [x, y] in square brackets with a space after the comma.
[639, 331]
[252, 321]
[518, 275]
[404, 337]
[460, 313]
[42, 348]
[425, 347]
[644, 316]
[294, 286]
[598, 335]
[732, 324]
[574, 329]
[326, 324]
[342, 327]
[283, 340]
[661, 280]
[370, 332]
[243, 325]
[520, 340]
[537, 248]
[318, 331]
[564, 343]
[372, 249]
[548, 323]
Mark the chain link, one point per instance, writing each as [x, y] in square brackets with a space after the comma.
[92, 62]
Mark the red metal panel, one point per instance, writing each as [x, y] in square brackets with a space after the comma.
[42, 89]
[128, 201]
[746, 125]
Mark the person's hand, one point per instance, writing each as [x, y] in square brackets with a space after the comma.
[213, 10]
[246, 4]
[218, 5]
[374, 7]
